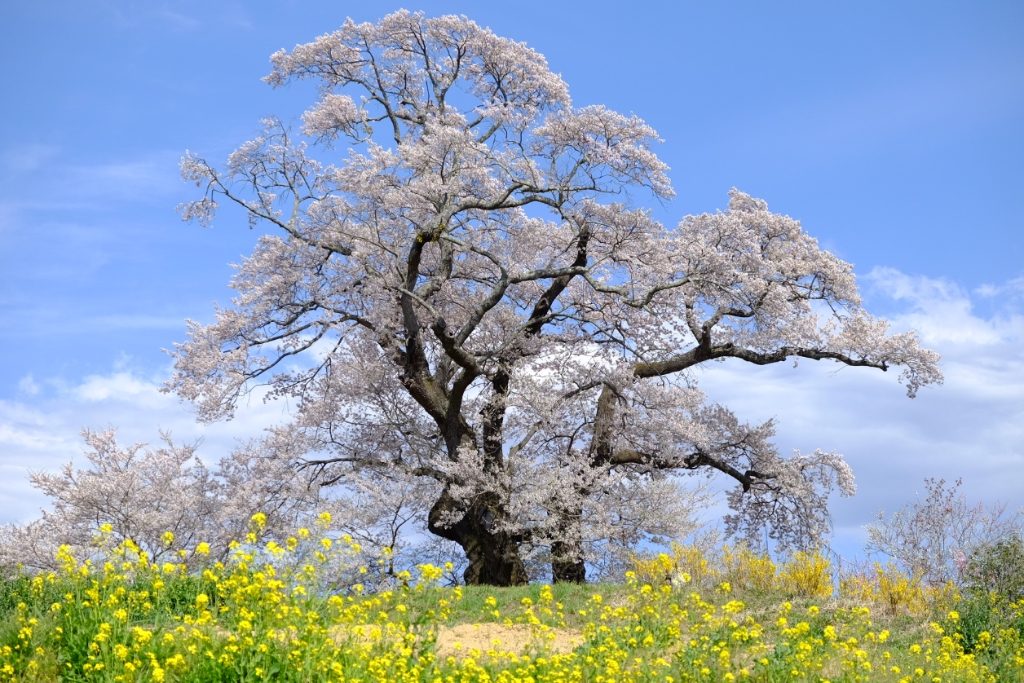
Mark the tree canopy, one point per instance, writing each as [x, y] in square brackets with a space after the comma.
[462, 292]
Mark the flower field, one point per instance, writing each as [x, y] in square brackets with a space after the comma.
[275, 611]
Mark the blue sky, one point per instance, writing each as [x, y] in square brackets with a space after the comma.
[893, 131]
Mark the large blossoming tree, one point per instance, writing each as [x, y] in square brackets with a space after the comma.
[459, 290]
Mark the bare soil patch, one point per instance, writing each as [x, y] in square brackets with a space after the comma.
[515, 638]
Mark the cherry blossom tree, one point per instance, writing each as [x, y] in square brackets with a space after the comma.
[168, 503]
[459, 289]
[941, 536]
[141, 493]
[164, 499]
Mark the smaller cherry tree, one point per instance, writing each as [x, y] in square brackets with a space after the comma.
[942, 536]
[167, 502]
[158, 498]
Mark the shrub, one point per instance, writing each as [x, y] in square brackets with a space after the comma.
[998, 567]
[685, 564]
[888, 588]
[806, 575]
[747, 570]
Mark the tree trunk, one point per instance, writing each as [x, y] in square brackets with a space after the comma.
[493, 560]
[567, 564]
[493, 554]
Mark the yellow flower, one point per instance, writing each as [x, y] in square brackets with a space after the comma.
[259, 521]
[168, 538]
[203, 548]
[429, 573]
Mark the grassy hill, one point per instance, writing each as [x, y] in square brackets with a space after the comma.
[274, 613]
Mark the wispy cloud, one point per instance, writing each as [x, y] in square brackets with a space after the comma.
[132, 15]
[74, 184]
[28, 386]
[132, 322]
[28, 158]
[1011, 291]
[182, 17]
[131, 179]
[73, 318]
[68, 233]
[177, 19]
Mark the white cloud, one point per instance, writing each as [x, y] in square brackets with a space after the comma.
[12, 435]
[28, 386]
[1013, 290]
[940, 311]
[116, 387]
[138, 179]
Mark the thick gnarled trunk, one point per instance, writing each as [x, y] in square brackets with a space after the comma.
[567, 564]
[493, 560]
[493, 554]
